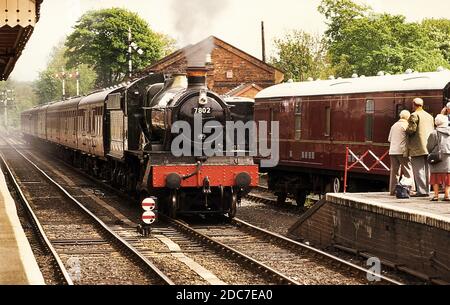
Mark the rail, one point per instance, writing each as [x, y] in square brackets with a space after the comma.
[137, 256]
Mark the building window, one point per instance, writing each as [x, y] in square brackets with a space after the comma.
[230, 74]
[298, 119]
[370, 110]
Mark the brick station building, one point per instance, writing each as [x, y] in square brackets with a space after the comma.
[231, 71]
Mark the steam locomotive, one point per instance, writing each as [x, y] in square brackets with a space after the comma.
[124, 135]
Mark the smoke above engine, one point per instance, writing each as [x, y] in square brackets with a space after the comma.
[194, 20]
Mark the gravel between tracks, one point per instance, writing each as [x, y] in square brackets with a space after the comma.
[226, 269]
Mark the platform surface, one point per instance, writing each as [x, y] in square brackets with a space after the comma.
[18, 265]
[420, 210]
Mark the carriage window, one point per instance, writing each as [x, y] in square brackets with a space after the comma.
[370, 110]
[298, 119]
[327, 121]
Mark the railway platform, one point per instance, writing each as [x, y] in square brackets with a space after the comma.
[411, 235]
[18, 265]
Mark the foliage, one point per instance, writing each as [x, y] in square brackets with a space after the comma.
[48, 86]
[24, 98]
[100, 40]
[364, 42]
[301, 55]
[340, 13]
[438, 30]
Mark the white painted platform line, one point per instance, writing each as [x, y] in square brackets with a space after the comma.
[207, 275]
[27, 262]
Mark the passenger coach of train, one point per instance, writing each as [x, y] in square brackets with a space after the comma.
[318, 119]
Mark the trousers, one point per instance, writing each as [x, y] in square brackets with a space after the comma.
[400, 167]
[421, 172]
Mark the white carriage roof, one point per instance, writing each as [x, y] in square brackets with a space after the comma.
[386, 83]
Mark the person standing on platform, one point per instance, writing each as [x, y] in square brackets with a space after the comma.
[439, 140]
[398, 152]
[446, 111]
[420, 126]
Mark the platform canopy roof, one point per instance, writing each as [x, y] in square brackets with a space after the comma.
[409, 81]
[17, 21]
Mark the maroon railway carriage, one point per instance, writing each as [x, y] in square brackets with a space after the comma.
[318, 119]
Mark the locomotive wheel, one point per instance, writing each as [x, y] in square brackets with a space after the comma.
[336, 185]
[232, 198]
[281, 197]
[300, 198]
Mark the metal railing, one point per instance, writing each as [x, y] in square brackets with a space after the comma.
[360, 160]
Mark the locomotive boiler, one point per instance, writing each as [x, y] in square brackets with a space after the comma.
[124, 135]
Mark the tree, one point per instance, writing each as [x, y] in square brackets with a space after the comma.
[367, 43]
[438, 30]
[340, 13]
[100, 40]
[48, 86]
[300, 56]
[24, 98]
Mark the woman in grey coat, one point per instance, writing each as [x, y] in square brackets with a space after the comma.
[440, 172]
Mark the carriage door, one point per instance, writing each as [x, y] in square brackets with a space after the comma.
[116, 126]
[400, 103]
[264, 112]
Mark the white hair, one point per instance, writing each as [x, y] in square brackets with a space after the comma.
[441, 120]
[448, 105]
[405, 114]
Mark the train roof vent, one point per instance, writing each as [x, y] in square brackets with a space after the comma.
[440, 69]
[340, 83]
[416, 77]
[409, 71]
[354, 75]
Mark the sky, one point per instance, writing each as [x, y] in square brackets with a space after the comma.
[189, 21]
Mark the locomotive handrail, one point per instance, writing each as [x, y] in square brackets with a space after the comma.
[360, 160]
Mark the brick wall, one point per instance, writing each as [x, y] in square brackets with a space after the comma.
[417, 246]
[230, 67]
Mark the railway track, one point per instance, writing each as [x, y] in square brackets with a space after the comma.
[220, 268]
[262, 195]
[84, 249]
[298, 262]
[286, 262]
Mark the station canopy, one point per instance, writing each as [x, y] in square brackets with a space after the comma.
[17, 21]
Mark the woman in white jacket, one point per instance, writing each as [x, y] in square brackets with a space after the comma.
[398, 152]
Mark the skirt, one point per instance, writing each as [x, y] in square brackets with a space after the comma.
[437, 178]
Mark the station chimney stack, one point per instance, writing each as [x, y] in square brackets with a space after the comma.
[263, 38]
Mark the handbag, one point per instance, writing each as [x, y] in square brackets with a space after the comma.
[436, 156]
[402, 191]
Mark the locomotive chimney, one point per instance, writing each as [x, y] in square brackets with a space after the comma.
[196, 77]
